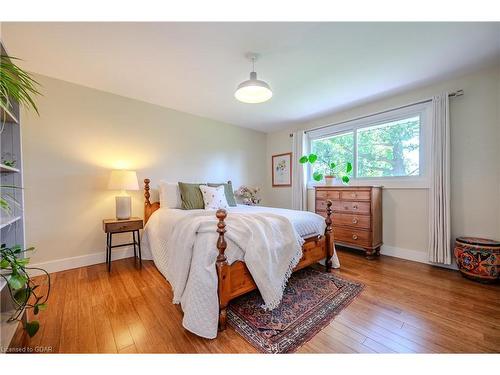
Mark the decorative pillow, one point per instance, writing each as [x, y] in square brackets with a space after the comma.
[170, 195]
[213, 197]
[191, 196]
[228, 191]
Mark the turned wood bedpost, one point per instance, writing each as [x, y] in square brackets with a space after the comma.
[149, 207]
[147, 202]
[329, 246]
[222, 270]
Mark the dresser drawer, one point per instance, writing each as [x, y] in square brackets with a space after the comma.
[327, 194]
[362, 208]
[321, 205]
[350, 220]
[362, 195]
[124, 226]
[352, 236]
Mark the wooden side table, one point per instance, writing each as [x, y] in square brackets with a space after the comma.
[113, 226]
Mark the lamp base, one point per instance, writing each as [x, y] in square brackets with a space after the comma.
[123, 207]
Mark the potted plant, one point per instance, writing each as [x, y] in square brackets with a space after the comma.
[23, 290]
[333, 170]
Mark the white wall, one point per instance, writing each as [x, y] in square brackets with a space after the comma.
[83, 133]
[475, 165]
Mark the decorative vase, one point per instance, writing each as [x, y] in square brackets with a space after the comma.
[478, 258]
[329, 180]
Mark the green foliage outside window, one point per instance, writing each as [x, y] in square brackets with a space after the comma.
[389, 150]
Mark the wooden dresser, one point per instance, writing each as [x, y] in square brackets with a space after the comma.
[357, 215]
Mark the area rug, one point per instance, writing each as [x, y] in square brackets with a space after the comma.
[311, 300]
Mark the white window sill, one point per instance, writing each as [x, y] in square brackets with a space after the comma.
[397, 183]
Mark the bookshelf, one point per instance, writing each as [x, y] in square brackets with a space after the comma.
[11, 223]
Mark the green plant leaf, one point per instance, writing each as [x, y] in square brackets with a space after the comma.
[345, 179]
[4, 263]
[17, 281]
[348, 167]
[317, 176]
[42, 306]
[22, 261]
[32, 327]
[304, 159]
[332, 165]
[312, 158]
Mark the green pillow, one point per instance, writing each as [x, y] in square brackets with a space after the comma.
[228, 192]
[191, 196]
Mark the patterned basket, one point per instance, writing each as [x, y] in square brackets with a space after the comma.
[478, 258]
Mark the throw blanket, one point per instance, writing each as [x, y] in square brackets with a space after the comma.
[271, 249]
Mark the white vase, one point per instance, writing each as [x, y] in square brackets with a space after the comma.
[329, 180]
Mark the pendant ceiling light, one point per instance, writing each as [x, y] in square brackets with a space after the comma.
[253, 90]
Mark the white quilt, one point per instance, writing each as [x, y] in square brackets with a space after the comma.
[183, 247]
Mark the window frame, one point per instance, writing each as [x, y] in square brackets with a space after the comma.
[422, 181]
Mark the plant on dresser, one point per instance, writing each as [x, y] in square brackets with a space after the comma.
[332, 170]
[357, 215]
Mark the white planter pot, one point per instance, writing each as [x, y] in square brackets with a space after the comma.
[329, 180]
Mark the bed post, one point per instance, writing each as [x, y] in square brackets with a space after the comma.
[329, 245]
[149, 207]
[222, 270]
[147, 202]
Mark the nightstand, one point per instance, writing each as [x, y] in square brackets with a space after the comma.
[114, 226]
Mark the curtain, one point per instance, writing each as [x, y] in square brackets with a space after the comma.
[299, 183]
[439, 198]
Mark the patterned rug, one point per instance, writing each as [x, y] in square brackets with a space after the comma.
[311, 300]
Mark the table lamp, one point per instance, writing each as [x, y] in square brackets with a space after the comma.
[123, 180]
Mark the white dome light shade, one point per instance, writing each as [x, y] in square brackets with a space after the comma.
[253, 91]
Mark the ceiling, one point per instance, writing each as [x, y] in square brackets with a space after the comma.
[313, 68]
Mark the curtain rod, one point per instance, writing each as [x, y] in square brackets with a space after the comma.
[450, 95]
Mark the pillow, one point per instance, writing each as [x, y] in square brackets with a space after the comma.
[213, 197]
[170, 195]
[191, 196]
[228, 191]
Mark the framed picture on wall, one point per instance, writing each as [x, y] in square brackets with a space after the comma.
[282, 169]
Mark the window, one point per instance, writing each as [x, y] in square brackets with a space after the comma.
[338, 149]
[388, 148]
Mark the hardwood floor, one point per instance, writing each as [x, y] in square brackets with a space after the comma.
[406, 307]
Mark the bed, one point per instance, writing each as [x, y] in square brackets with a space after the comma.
[233, 274]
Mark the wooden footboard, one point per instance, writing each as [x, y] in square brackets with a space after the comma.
[236, 280]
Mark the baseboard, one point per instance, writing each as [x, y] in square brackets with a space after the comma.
[414, 255]
[82, 260]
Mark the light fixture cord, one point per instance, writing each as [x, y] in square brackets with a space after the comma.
[253, 64]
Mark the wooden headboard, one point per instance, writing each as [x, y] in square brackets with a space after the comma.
[149, 207]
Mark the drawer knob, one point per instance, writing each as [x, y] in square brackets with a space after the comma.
[353, 195]
[354, 221]
[354, 237]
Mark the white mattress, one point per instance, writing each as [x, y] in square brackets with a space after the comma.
[162, 221]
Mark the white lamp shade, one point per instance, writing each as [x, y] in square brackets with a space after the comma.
[123, 180]
[253, 90]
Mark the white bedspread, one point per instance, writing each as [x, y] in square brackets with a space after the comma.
[183, 246]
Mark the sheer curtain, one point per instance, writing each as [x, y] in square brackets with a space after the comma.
[299, 183]
[439, 197]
